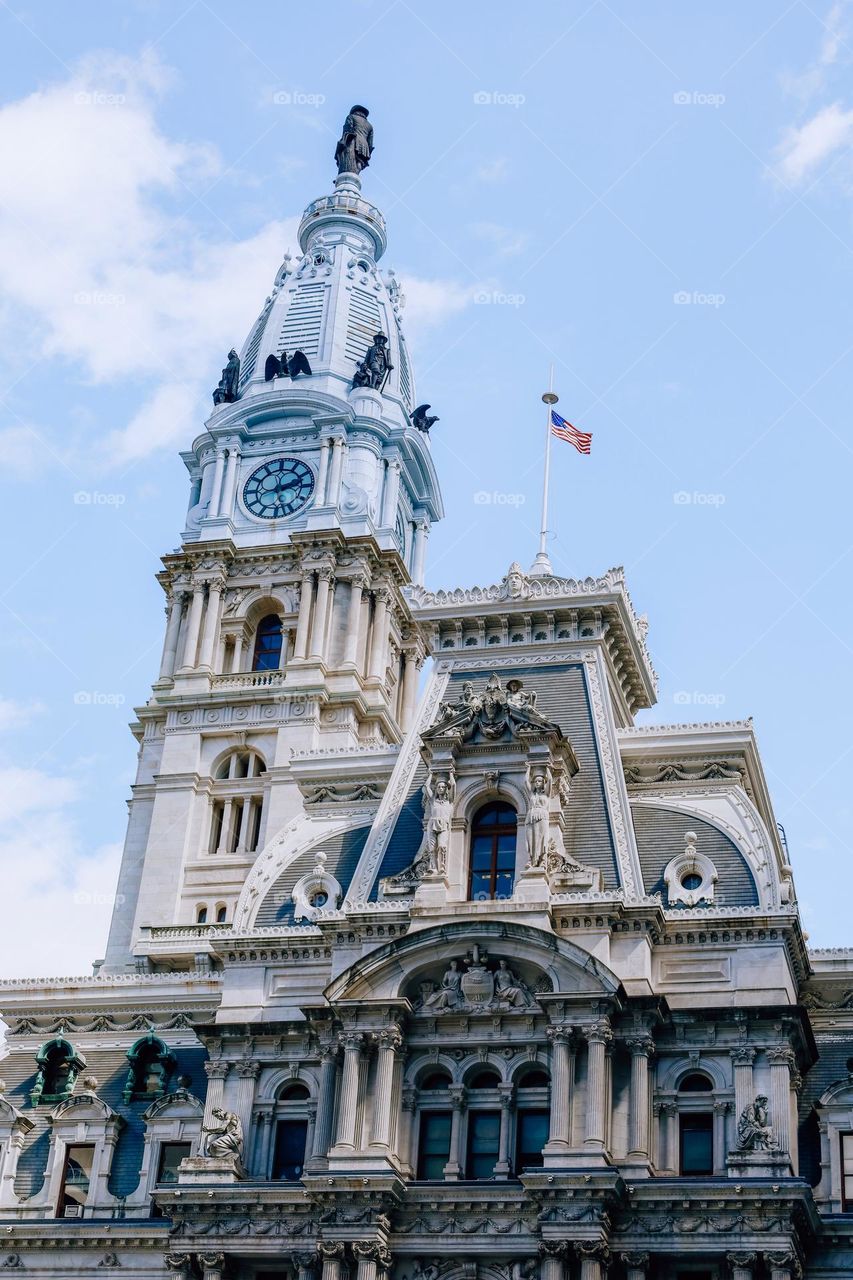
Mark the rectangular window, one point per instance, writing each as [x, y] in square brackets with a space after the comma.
[484, 1135]
[75, 1181]
[171, 1155]
[289, 1157]
[434, 1145]
[847, 1172]
[697, 1142]
[531, 1135]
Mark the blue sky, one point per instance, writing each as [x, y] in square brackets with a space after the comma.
[657, 199]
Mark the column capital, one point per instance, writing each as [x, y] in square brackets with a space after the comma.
[598, 1032]
[330, 1249]
[507, 1095]
[593, 1251]
[351, 1041]
[178, 1262]
[554, 1248]
[640, 1044]
[372, 1251]
[638, 1260]
[784, 1259]
[744, 1056]
[458, 1096]
[781, 1055]
[326, 573]
[248, 1068]
[212, 1260]
[562, 1033]
[389, 1038]
[217, 1069]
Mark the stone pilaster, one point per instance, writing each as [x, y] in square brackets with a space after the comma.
[216, 1072]
[782, 1065]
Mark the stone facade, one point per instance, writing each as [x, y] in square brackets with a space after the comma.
[463, 978]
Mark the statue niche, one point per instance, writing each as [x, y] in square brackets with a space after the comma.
[58, 1068]
[151, 1065]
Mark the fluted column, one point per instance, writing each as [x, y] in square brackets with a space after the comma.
[782, 1063]
[721, 1110]
[237, 653]
[216, 486]
[742, 1265]
[453, 1168]
[742, 1060]
[321, 609]
[783, 1264]
[305, 1264]
[229, 484]
[335, 469]
[264, 1122]
[641, 1047]
[212, 1265]
[669, 1110]
[379, 638]
[332, 1256]
[353, 623]
[247, 1075]
[562, 1084]
[408, 1111]
[192, 629]
[389, 1044]
[322, 473]
[216, 1072]
[348, 1109]
[636, 1265]
[594, 1259]
[552, 1254]
[300, 647]
[211, 622]
[419, 552]
[326, 1103]
[391, 494]
[411, 659]
[173, 626]
[373, 1259]
[502, 1168]
[598, 1036]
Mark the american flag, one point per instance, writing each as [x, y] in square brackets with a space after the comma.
[563, 430]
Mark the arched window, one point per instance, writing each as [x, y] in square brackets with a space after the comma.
[493, 841]
[58, 1069]
[201, 915]
[291, 1131]
[221, 913]
[695, 1126]
[532, 1118]
[267, 655]
[151, 1065]
[237, 803]
[696, 1082]
[435, 1081]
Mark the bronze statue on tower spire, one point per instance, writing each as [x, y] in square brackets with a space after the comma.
[355, 146]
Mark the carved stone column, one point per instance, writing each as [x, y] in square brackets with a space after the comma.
[642, 1048]
[264, 1122]
[229, 484]
[323, 472]
[503, 1167]
[211, 622]
[669, 1111]
[216, 1072]
[306, 1265]
[179, 1265]
[333, 491]
[389, 1044]
[419, 551]
[552, 1255]
[741, 1265]
[742, 1060]
[562, 1084]
[721, 1110]
[357, 585]
[782, 1064]
[348, 1110]
[247, 1075]
[409, 1106]
[594, 1259]
[216, 486]
[453, 1168]
[192, 628]
[783, 1264]
[332, 1255]
[598, 1036]
[306, 596]
[326, 1103]
[636, 1265]
[321, 609]
[173, 626]
[379, 638]
[212, 1265]
[392, 493]
[412, 660]
[373, 1258]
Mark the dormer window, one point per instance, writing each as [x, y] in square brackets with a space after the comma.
[493, 843]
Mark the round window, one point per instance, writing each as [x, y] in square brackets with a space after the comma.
[319, 899]
[691, 880]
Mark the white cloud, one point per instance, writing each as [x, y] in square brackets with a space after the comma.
[503, 240]
[834, 37]
[493, 170]
[58, 901]
[804, 148]
[431, 302]
[17, 715]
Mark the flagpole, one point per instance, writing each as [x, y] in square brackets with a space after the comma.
[542, 565]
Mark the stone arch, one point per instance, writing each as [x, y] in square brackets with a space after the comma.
[281, 1078]
[429, 1062]
[681, 1067]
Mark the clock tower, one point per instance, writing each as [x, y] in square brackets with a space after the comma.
[288, 637]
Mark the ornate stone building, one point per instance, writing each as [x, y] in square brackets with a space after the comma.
[466, 977]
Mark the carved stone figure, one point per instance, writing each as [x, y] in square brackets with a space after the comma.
[447, 995]
[515, 583]
[438, 812]
[421, 420]
[509, 988]
[492, 714]
[516, 697]
[753, 1131]
[374, 368]
[227, 390]
[355, 145]
[226, 1138]
[538, 817]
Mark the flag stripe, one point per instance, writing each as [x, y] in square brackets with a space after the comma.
[563, 430]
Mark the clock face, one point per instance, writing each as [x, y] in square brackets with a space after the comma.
[279, 488]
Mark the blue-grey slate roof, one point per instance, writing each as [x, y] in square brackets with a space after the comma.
[660, 837]
[342, 854]
[563, 698]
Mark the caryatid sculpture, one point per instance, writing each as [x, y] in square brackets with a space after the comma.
[438, 813]
[538, 817]
[355, 145]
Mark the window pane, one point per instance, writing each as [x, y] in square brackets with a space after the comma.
[434, 1147]
[481, 853]
[75, 1181]
[697, 1143]
[484, 1129]
[289, 1158]
[532, 1134]
[171, 1155]
[504, 881]
[480, 887]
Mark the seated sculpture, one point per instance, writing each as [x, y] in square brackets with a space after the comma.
[225, 1139]
[753, 1131]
